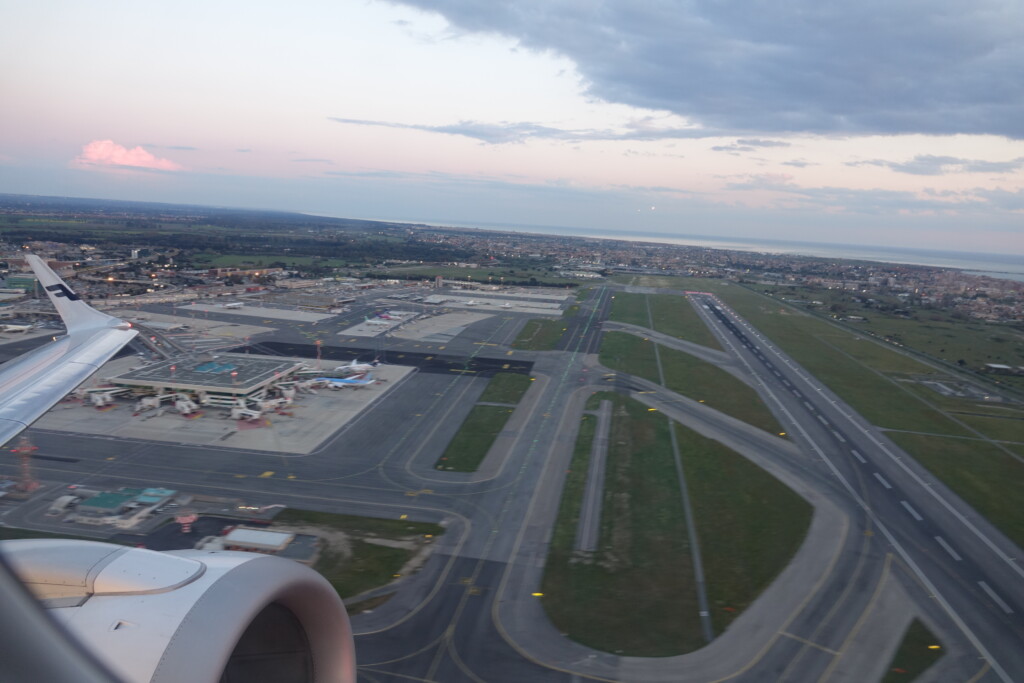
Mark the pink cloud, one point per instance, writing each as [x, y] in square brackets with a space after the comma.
[109, 153]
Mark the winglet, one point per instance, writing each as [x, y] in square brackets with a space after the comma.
[77, 314]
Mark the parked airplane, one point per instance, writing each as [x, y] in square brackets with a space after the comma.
[236, 304]
[355, 381]
[355, 366]
[15, 328]
[375, 322]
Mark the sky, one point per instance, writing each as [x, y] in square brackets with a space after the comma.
[872, 122]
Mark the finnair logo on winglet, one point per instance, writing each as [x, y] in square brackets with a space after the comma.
[62, 290]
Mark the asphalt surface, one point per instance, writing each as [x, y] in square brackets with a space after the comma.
[469, 614]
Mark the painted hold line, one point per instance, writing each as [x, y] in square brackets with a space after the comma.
[948, 548]
[995, 598]
[912, 511]
[883, 482]
[858, 456]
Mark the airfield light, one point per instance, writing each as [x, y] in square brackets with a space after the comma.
[404, 517]
[934, 647]
[782, 433]
[652, 410]
[537, 595]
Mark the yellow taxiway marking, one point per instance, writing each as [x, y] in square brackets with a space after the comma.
[485, 343]
[509, 353]
[807, 642]
[240, 476]
[268, 473]
[291, 476]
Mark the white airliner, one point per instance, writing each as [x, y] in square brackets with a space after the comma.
[357, 381]
[369, 321]
[15, 328]
[90, 612]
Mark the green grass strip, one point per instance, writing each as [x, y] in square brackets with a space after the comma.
[468, 448]
[358, 526]
[539, 335]
[368, 566]
[675, 315]
[506, 387]
[689, 376]
[749, 523]
[635, 595]
[914, 655]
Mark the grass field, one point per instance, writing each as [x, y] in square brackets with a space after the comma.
[630, 354]
[469, 446]
[358, 526]
[675, 315]
[635, 595]
[749, 523]
[506, 387]
[688, 376]
[539, 335]
[367, 567]
[981, 474]
[914, 655]
[630, 309]
[702, 381]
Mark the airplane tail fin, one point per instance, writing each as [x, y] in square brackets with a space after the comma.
[77, 314]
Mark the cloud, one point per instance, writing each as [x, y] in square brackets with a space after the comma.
[517, 132]
[100, 153]
[312, 160]
[929, 164]
[801, 66]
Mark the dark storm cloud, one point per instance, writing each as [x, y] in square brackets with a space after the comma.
[877, 66]
[512, 132]
[929, 164]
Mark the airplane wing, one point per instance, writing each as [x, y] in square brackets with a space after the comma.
[31, 384]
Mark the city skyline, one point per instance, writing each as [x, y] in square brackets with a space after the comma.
[872, 125]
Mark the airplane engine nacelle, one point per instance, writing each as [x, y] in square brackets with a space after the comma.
[191, 615]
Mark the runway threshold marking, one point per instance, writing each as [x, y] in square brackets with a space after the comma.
[882, 481]
[948, 548]
[912, 511]
[995, 598]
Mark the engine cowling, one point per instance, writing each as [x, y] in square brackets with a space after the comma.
[191, 615]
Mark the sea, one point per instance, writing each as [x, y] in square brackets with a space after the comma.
[1007, 266]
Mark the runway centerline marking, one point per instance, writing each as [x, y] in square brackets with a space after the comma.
[948, 548]
[912, 511]
[859, 457]
[995, 598]
[882, 481]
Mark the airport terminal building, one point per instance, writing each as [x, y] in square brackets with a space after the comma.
[213, 380]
